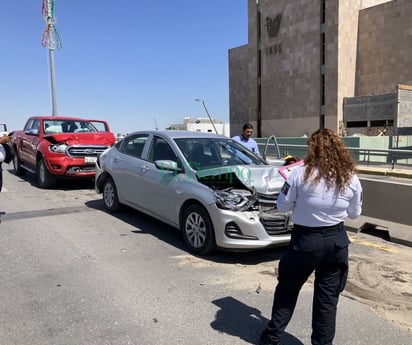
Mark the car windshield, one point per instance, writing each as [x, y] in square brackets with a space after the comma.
[67, 126]
[207, 153]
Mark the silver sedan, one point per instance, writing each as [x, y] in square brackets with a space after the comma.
[220, 194]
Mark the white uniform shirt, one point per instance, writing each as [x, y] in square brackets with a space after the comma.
[315, 205]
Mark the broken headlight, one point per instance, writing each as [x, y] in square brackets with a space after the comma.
[234, 199]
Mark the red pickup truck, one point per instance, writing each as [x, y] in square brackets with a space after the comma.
[59, 146]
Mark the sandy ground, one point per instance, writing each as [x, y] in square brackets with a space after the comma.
[380, 276]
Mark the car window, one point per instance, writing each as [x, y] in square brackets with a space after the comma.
[68, 126]
[160, 149]
[28, 125]
[33, 124]
[36, 124]
[205, 153]
[134, 145]
[100, 126]
[84, 126]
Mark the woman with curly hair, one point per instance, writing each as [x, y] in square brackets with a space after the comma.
[321, 194]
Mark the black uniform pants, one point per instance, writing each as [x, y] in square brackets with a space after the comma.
[323, 251]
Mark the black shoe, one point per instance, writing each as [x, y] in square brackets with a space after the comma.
[268, 338]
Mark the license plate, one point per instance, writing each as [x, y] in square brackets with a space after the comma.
[90, 160]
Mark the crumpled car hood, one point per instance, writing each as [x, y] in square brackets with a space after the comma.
[96, 138]
[264, 179]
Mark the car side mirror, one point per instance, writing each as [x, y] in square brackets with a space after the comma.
[32, 131]
[167, 165]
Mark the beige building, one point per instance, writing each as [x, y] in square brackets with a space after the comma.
[342, 64]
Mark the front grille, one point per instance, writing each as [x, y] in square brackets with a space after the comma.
[85, 150]
[266, 200]
[275, 224]
[273, 196]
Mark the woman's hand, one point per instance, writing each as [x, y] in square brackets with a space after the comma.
[4, 139]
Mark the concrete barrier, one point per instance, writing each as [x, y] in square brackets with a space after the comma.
[385, 171]
[386, 206]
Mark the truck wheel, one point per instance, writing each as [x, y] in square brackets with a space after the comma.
[18, 169]
[197, 230]
[110, 196]
[44, 178]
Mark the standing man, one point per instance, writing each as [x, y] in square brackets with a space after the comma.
[320, 194]
[246, 140]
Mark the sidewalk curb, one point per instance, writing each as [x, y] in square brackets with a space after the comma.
[403, 173]
[397, 232]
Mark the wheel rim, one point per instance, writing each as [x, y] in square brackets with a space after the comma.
[42, 172]
[108, 194]
[16, 162]
[196, 230]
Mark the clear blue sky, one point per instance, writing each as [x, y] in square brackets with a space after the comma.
[124, 61]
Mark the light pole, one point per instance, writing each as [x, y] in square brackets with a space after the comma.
[51, 40]
[207, 112]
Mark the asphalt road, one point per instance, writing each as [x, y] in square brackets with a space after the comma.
[72, 274]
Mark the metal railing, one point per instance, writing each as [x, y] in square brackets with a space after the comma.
[366, 156]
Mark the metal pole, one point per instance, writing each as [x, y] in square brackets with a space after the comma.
[207, 112]
[53, 82]
[49, 40]
[210, 118]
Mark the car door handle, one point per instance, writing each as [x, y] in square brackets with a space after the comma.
[144, 168]
[117, 159]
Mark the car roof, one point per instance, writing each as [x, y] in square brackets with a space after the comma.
[175, 134]
[60, 118]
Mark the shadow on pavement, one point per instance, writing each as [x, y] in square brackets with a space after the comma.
[240, 320]
[61, 183]
[145, 224]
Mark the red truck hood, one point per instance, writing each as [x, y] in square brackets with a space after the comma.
[95, 138]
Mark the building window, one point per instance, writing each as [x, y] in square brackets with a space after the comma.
[354, 124]
[381, 123]
[322, 90]
[322, 63]
[323, 48]
[323, 12]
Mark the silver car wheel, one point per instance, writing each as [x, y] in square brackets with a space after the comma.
[197, 229]
[110, 196]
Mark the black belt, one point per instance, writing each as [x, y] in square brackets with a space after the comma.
[319, 229]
